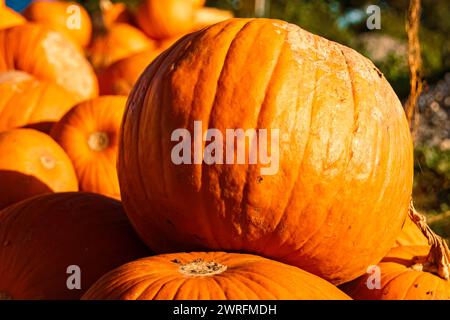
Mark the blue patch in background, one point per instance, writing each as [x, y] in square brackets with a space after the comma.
[17, 5]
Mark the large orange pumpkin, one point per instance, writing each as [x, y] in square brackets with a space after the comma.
[400, 279]
[89, 133]
[49, 56]
[120, 41]
[25, 101]
[49, 238]
[213, 275]
[32, 163]
[336, 191]
[67, 17]
[165, 19]
[120, 77]
[8, 17]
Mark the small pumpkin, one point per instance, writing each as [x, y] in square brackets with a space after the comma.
[199, 3]
[207, 16]
[50, 239]
[8, 17]
[49, 56]
[411, 235]
[32, 163]
[89, 133]
[165, 19]
[67, 17]
[338, 186]
[118, 42]
[210, 276]
[25, 101]
[120, 77]
[401, 278]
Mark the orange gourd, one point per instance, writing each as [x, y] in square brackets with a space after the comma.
[165, 19]
[335, 193]
[25, 101]
[210, 276]
[89, 133]
[8, 17]
[50, 239]
[67, 17]
[49, 56]
[199, 3]
[118, 42]
[32, 163]
[401, 279]
[120, 77]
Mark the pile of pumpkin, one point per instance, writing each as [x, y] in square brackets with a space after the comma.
[153, 229]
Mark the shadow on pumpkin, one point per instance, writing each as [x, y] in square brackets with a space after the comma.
[45, 126]
[16, 186]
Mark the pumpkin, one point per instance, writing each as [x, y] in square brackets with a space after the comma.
[89, 133]
[400, 279]
[207, 16]
[49, 56]
[32, 163]
[210, 276]
[50, 239]
[25, 101]
[67, 17]
[332, 196]
[165, 19]
[120, 41]
[411, 235]
[8, 17]
[120, 77]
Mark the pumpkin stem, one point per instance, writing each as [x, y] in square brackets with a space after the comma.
[4, 296]
[438, 260]
[98, 141]
[201, 268]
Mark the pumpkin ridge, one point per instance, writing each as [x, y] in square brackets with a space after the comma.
[215, 237]
[243, 205]
[307, 145]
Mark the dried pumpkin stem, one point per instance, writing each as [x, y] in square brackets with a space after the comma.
[438, 260]
[201, 268]
[98, 141]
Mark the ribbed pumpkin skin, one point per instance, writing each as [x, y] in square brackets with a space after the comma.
[49, 56]
[32, 163]
[165, 19]
[345, 173]
[120, 77]
[25, 101]
[399, 281]
[94, 162]
[41, 237]
[120, 41]
[247, 277]
[411, 235]
[8, 17]
[57, 15]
